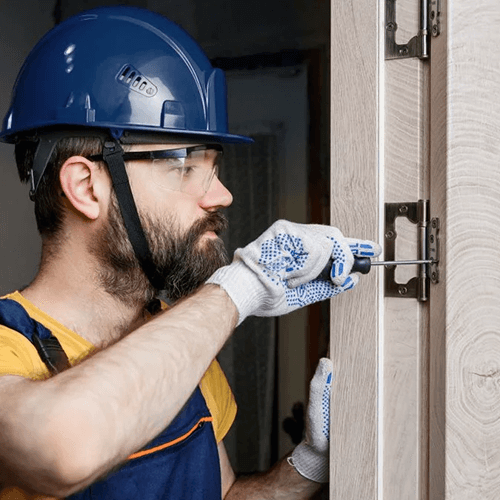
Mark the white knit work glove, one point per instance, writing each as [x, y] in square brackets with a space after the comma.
[278, 272]
[311, 456]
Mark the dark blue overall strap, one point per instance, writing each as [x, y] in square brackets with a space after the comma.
[182, 463]
[14, 316]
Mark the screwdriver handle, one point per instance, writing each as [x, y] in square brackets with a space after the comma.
[361, 265]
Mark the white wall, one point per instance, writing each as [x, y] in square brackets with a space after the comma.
[22, 23]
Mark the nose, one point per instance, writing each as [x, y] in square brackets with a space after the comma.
[217, 196]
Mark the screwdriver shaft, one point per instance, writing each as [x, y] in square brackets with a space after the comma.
[400, 262]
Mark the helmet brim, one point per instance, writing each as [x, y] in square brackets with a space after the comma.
[137, 135]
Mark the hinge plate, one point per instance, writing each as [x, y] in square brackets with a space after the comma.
[428, 249]
[435, 17]
[418, 46]
[433, 249]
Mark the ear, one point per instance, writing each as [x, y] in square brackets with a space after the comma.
[84, 185]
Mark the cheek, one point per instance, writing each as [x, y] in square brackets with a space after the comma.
[159, 202]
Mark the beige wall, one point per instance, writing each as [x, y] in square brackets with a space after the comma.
[21, 24]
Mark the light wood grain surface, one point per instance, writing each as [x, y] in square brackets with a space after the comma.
[354, 202]
[437, 338]
[380, 401]
[465, 159]
[434, 432]
[404, 342]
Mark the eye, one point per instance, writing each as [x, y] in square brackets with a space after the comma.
[185, 170]
[167, 166]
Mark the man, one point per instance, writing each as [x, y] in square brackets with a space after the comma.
[118, 120]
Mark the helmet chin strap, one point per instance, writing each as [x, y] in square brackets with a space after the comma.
[46, 145]
[113, 156]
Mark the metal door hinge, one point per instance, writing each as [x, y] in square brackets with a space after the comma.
[428, 249]
[418, 46]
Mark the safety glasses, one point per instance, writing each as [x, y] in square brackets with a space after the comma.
[189, 170]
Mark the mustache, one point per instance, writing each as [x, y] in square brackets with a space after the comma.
[213, 221]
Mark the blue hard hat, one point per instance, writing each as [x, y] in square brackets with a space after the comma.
[122, 69]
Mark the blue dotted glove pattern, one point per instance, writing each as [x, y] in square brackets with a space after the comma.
[325, 407]
[285, 254]
[363, 249]
[339, 259]
[314, 291]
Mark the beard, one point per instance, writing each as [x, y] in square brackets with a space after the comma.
[182, 259]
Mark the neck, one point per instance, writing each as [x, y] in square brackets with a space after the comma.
[68, 289]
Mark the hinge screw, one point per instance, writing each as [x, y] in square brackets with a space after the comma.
[402, 290]
[403, 209]
[390, 235]
[391, 27]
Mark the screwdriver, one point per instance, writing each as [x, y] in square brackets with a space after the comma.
[363, 265]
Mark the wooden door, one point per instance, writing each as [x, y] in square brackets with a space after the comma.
[465, 311]
[416, 402]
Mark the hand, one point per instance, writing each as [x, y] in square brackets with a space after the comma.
[278, 272]
[311, 456]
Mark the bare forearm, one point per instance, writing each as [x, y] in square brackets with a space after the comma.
[281, 482]
[115, 402]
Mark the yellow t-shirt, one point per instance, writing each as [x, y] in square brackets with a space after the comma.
[18, 356]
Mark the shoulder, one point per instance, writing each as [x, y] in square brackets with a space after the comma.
[18, 356]
[219, 398]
